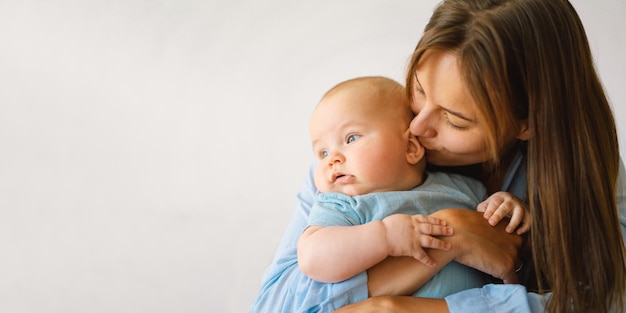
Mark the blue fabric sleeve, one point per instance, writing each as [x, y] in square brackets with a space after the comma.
[495, 299]
[285, 289]
[335, 209]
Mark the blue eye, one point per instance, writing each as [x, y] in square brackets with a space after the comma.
[324, 154]
[352, 138]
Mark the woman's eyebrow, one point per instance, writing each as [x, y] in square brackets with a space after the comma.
[459, 115]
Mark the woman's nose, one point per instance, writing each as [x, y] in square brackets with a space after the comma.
[422, 124]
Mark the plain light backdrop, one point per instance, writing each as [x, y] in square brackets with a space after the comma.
[151, 151]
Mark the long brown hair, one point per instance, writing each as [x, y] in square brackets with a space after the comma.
[528, 62]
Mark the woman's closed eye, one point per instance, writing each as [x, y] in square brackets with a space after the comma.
[452, 124]
[419, 91]
[456, 122]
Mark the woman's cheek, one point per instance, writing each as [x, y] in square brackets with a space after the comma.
[470, 147]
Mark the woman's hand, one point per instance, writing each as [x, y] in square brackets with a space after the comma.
[397, 304]
[477, 244]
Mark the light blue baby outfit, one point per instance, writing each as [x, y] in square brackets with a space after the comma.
[286, 289]
[439, 191]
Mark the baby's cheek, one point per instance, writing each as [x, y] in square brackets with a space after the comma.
[319, 182]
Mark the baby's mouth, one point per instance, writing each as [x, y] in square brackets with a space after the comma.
[342, 178]
[337, 176]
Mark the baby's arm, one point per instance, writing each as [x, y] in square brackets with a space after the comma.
[336, 253]
[503, 204]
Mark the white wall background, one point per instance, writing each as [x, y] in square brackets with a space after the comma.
[150, 151]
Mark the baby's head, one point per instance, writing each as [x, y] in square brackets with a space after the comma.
[360, 137]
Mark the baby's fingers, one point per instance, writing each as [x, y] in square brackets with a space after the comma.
[491, 207]
[434, 243]
[514, 222]
[500, 213]
[525, 225]
[428, 219]
[435, 230]
[421, 255]
[429, 242]
[523, 229]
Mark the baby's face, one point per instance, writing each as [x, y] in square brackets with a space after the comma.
[360, 147]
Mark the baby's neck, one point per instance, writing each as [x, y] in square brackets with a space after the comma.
[414, 179]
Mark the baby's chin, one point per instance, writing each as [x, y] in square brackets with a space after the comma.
[349, 190]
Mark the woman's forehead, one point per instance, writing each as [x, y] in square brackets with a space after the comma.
[439, 77]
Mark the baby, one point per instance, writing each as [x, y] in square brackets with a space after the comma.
[375, 196]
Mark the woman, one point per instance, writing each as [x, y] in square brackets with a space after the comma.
[510, 85]
[515, 79]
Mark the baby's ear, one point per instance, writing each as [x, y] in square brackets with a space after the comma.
[414, 150]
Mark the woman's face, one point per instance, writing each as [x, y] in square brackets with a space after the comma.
[446, 121]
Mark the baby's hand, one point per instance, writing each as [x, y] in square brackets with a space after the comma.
[408, 235]
[503, 204]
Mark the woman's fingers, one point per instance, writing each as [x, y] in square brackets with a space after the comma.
[477, 244]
